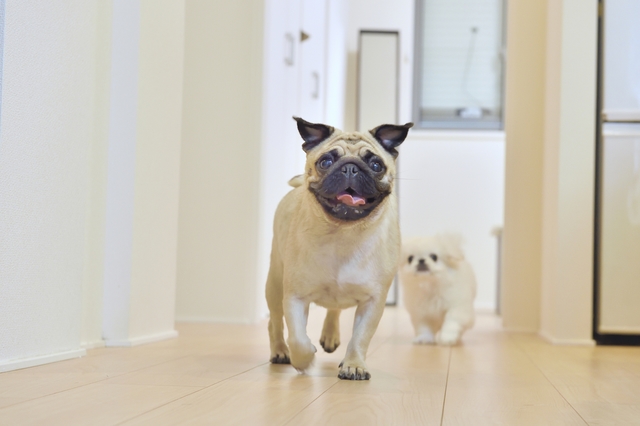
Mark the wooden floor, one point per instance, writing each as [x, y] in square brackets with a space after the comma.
[218, 375]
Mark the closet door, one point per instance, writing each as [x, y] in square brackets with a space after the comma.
[312, 60]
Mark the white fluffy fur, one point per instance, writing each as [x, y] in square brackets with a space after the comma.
[439, 299]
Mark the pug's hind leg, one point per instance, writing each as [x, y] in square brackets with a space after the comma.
[330, 338]
[279, 349]
[296, 312]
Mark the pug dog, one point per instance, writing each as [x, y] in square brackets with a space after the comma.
[336, 243]
[439, 288]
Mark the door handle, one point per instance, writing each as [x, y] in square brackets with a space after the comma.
[315, 94]
[288, 49]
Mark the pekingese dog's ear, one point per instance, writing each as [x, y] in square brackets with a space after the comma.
[313, 134]
[452, 253]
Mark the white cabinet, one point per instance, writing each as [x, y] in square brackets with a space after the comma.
[622, 60]
[620, 227]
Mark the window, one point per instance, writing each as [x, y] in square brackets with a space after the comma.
[459, 64]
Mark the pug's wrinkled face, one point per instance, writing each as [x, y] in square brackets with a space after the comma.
[350, 174]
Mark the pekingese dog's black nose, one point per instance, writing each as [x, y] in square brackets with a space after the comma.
[350, 170]
[422, 265]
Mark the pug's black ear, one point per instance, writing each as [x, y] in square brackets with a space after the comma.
[312, 133]
[391, 136]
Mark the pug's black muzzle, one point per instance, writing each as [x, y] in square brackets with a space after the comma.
[350, 190]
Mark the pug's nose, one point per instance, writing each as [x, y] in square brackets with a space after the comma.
[421, 261]
[350, 170]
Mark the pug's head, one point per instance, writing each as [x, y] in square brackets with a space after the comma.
[350, 174]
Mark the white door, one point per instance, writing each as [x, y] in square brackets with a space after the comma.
[312, 60]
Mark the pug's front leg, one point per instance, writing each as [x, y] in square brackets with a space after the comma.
[296, 312]
[366, 321]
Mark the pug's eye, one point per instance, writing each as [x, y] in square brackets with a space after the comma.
[375, 165]
[434, 257]
[410, 259]
[325, 163]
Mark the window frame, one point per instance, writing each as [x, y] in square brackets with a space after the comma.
[416, 108]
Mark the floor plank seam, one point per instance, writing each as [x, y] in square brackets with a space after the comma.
[327, 389]
[309, 404]
[88, 384]
[191, 393]
[446, 385]
[526, 354]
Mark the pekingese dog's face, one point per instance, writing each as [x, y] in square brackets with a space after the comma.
[431, 255]
[350, 174]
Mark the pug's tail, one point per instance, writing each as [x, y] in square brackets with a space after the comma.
[296, 181]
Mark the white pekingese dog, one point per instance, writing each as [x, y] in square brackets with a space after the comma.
[439, 287]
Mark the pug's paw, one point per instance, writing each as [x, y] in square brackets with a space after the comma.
[302, 355]
[330, 341]
[353, 371]
[280, 354]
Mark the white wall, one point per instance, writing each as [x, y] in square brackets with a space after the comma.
[93, 273]
[569, 172]
[449, 181]
[337, 57]
[157, 177]
[391, 15]
[524, 129]
[454, 182]
[48, 105]
[550, 127]
[143, 171]
[120, 196]
[2, 5]
[220, 161]
[54, 147]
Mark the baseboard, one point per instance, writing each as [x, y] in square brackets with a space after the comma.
[95, 344]
[520, 330]
[567, 342]
[39, 360]
[215, 320]
[142, 340]
[485, 310]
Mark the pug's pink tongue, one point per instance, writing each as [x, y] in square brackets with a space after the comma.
[350, 200]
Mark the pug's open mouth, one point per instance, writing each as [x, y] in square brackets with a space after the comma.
[351, 198]
[348, 204]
